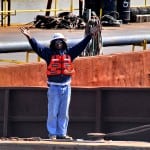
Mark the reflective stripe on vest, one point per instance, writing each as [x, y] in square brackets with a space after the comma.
[60, 64]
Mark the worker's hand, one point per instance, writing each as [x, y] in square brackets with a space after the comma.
[26, 32]
[94, 30]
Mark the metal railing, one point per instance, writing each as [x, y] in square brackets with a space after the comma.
[5, 12]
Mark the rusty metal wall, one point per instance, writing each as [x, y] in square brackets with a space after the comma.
[23, 111]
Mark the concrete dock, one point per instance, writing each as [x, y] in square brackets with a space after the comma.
[77, 145]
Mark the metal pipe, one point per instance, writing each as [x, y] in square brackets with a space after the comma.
[9, 7]
[9, 47]
[55, 8]
[35, 10]
[80, 7]
[145, 3]
[125, 40]
[5, 6]
[71, 6]
[2, 12]
[49, 4]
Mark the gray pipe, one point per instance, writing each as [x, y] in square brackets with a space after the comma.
[18, 46]
[125, 40]
[9, 47]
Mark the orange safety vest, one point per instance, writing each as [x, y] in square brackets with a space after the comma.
[60, 64]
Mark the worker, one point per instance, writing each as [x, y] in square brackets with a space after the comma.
[59, 60]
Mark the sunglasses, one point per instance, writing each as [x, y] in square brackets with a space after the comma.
[58, 42]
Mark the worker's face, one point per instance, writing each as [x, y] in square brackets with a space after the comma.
[59, 44]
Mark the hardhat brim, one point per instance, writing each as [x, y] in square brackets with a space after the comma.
[57, 36]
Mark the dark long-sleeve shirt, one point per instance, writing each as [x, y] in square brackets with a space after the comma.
[46, 53]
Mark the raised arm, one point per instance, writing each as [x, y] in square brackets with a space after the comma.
[41, 50]
[79, 48]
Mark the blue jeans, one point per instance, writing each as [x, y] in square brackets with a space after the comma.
[58, 109]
